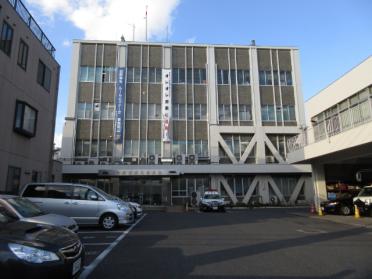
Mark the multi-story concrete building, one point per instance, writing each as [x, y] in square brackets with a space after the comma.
[155, 122]
[28, 98]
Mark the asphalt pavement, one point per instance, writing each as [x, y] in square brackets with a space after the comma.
[259, 243]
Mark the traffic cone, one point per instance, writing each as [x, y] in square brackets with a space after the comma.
[320, 211]
[357, 213]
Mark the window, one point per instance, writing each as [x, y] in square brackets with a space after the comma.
[179, 111]
[267, 113]
[59, 192]
[107, 111]
[200, 111]
[84, 111]
[86, 74]
[25, 119]
[36, 176]
[245, 113]
[222, 76]
[288, 113]
[132, 111]
[265, 78]
[22, 55]
[224, 112]
[285, 78]
[13, 180]
[44, 75]
[35, 191]
[243, 77]
[82, 193]
[6, 38]
[82, 148]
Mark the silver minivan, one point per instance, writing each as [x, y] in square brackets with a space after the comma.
[86, 204]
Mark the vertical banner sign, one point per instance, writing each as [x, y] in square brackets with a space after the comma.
[120, 95]
[166, 107]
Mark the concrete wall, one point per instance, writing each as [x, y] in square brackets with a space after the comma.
[29, 154]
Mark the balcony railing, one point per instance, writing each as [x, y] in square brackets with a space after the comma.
[333, 125]
[25, 15]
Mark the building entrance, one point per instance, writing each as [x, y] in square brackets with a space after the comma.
[147, 191]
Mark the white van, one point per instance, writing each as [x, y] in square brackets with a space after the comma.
[84, 203]
[364, 200]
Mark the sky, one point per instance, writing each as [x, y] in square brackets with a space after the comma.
[333, 36]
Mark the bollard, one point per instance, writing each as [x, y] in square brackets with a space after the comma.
[356, 212]
[320, 211]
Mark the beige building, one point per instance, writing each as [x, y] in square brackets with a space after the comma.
[29, 77]
[338, 139]
[155, 122]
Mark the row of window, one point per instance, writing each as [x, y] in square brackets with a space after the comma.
[196, 111]
[285, 113]
[280, 143]
[102, 148]
[184, 187]
[237, 144]
[266, 77]
[144, 75]
[199, 147]
[233, 76]
[44, 74]
[347, 114]
[148, 111]
[97, 74]
[135, 148]
[231, 112]
[97, 110]
[182, 75]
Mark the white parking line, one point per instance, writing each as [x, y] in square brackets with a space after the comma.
[93, 265]
[88, 237]
[80, 232]
[99, 243]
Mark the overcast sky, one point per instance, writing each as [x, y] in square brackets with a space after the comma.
[333, 35]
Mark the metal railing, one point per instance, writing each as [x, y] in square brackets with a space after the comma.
[333, 125]
[25, 15]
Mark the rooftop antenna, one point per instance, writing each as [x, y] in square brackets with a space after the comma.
[167, 35]
[146, 22]
[253, 42]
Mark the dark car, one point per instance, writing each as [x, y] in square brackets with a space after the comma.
[343, 205]
[31, 250]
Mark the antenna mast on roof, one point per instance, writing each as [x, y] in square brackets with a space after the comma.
[146, 22]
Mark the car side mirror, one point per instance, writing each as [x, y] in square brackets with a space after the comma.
[93, 197]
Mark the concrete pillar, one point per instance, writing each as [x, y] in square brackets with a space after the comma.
[319, 184]
[263, 190]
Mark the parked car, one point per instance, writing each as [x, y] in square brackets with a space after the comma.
[30, 250]
[27, 211]
[84, 203]
[343, 205]
[364, 200]
[137, 208]
[212, 201]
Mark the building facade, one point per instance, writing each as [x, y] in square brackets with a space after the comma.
[28, 98]
[156, 122]
[338, 140]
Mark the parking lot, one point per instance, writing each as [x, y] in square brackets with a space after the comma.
[259, 243]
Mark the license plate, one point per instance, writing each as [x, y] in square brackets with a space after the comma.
[76, 266]
[214, 207]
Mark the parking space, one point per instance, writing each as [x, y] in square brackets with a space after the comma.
[98, 243]
[259, 243]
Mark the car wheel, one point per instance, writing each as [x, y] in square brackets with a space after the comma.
[109, 221]
[345, 210]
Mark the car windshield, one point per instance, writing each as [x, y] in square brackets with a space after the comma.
[25, 208]
[5, 216]
[212, 196]
[366, 192]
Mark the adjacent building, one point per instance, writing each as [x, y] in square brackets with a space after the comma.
[338, 139]
[29, 77]
[155, 122]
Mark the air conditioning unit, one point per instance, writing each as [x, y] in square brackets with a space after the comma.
[270, 159]
[91, 162]
[134, 161]
[153, 159]
[193, 159]
[103, 162]
[78, 163]
[180, 159]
